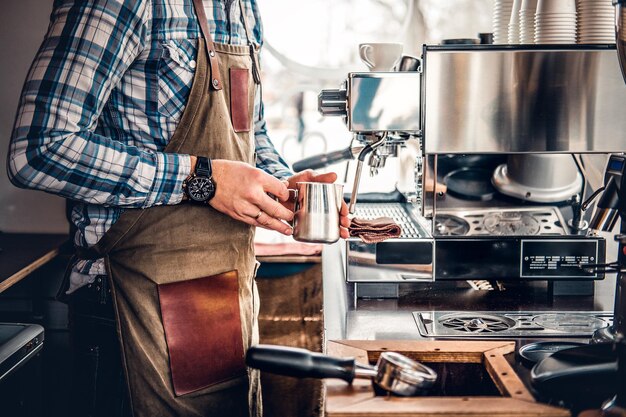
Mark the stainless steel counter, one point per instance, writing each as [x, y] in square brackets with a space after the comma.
[347, 318]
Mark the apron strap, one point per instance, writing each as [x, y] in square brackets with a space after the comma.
[216, 82]
[255, 66]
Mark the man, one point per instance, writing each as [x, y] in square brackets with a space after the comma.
[144, 114]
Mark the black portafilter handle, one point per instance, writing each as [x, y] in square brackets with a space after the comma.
[299, 363]
[323, 160]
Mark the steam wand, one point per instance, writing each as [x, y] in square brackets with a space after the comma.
[369, 148]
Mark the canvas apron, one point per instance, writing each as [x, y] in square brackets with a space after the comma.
[182, 277]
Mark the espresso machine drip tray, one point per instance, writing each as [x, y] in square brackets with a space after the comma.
[396, 211]
[496, 324]
[519, 221]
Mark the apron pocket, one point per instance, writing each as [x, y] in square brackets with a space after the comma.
[239, 113]
[202, 326]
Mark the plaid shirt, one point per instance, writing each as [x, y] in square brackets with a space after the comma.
[102, 99]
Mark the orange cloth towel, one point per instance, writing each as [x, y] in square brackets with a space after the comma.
[376, 230]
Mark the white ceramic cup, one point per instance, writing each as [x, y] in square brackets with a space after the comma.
[380, 56]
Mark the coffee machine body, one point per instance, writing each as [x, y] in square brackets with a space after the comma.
[482, 99]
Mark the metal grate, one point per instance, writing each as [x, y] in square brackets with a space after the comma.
[500, 324]
[392, 210]
[473, 323]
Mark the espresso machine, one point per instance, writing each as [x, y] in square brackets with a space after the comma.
[492, 99]
[479, 99]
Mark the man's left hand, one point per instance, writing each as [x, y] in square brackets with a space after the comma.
[329, 178]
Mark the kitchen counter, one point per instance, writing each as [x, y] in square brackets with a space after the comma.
[23, 253]
[347, 318]
[385, 319]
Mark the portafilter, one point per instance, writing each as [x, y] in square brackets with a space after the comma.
[395, 373]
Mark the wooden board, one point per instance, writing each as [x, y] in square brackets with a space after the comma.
[22, 254]
[359, 398]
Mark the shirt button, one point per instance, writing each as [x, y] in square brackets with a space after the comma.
[192, 64]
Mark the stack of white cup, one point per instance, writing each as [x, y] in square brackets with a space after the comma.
[555, 22]
[514, 26]
[596, 21]
[501, 19]
[527, 21]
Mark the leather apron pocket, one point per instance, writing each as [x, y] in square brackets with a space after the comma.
[239, 99]
[202, 324]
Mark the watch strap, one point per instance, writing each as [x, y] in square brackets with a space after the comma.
[203, 167]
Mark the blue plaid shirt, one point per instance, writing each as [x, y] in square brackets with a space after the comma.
[102, 99]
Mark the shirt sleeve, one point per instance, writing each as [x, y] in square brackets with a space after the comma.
[267, 158]
[88, 47]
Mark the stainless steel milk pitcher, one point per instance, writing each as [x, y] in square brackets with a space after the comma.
[316, 212]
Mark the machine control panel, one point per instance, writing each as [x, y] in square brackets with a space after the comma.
[545, 259]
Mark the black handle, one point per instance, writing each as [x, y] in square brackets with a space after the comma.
[321, 161]
[300, 363]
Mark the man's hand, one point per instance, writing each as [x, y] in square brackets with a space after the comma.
[241, 193]
[330, 177]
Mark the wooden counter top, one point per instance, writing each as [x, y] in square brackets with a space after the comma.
[23, 253]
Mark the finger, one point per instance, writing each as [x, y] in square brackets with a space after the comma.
[274, 209]
[344, 209]
[274, 186]
[271, 223]
[344, 221]
[344, 233]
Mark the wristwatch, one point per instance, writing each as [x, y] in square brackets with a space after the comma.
[199, 186]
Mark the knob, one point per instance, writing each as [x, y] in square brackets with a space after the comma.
[332, 103]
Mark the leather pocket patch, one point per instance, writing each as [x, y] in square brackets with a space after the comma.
[239, 107]
[203, 331]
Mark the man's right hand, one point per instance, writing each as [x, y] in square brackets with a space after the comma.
[241, 193]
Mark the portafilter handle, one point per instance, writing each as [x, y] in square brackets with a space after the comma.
[299, 363]
[324, 160]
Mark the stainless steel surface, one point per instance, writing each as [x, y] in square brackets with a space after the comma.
[620, 38]
[487, 99]
[520, 221]
[346, 317]
[18, 344]
[362, 260]
[316, 213]
[408, 63]
[547, 220]
[398, 374]
[332, 102]
[403, 376]
[538, 178]
[385, 101]
[367, 150]
[503, 324]
[400, 213]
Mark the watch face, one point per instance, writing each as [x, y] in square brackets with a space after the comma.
[200, 188]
